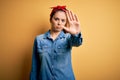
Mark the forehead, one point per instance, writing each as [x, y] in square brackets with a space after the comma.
[60, 14]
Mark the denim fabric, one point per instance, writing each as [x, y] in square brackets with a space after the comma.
[51, 59]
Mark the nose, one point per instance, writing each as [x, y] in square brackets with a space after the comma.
[59, 22]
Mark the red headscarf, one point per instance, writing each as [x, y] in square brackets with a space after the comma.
[54, 9]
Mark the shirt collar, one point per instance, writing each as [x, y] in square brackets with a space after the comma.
[61, 35]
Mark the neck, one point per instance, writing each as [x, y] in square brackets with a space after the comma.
[54, 34]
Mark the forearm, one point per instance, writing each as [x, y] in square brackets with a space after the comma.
[76, 39]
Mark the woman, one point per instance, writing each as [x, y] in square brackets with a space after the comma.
[51, 58]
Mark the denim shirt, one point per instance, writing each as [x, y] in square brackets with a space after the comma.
[51, 59]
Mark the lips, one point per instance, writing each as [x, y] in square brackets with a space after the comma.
[58, 27]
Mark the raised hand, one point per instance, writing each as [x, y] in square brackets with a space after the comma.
[73, 23]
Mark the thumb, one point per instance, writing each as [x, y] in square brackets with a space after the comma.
[65, 28]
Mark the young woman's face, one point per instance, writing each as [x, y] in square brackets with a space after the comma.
[58, 20]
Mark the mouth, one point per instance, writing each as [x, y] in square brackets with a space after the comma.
[58, 27]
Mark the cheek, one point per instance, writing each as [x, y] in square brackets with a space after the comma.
[53, 22]
[65, 22]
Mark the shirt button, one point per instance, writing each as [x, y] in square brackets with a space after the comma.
[59, 47]
[52, 67]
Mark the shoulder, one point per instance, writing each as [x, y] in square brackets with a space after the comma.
[40, 37]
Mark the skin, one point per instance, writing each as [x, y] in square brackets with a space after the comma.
[57, 21]
[60, 19]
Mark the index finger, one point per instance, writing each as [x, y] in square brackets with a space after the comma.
[69, 17]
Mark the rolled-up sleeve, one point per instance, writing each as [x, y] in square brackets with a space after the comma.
[76, 40]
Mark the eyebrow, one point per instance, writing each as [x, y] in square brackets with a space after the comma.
[59, 18]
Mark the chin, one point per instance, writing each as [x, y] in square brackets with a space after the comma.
[58, 30]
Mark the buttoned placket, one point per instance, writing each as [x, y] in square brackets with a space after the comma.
[53, 51]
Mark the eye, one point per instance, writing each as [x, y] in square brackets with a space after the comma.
[63, 20]
[56, 19]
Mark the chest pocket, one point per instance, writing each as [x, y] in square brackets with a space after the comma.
[44, 49]
[62, 48]
[43, 46]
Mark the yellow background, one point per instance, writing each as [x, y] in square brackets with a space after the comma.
[97, 59]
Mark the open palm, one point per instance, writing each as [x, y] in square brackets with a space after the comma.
[73, 23]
